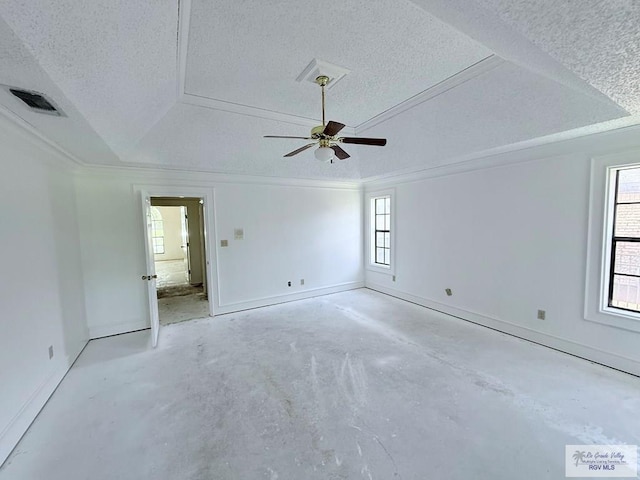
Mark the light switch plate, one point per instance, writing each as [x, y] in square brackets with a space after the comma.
[224, 243]
[238, 233]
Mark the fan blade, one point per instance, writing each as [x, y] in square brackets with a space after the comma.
[332, 128]
[379, 142]
[280, 136]
[301, 149]
[340, 153]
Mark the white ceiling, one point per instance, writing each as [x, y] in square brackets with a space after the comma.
[251, 53]
[115, 60]
[441, 79]
[597, 40]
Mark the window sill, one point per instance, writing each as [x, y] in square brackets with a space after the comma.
[380, 269]
[616, 318]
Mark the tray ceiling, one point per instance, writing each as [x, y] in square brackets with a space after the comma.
[195, 84]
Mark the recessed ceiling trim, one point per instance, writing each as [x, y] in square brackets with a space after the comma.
[483, 66]
[230, 107]
[184, 19]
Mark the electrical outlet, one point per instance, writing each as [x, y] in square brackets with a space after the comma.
[289, 283]
[542, 315]
[448, 291]
[393, 278]
[302, 281]
[50, 352]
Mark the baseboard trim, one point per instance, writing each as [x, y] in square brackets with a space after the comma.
[20, 423]
[564, 345]
[266, 301]
[117, 328]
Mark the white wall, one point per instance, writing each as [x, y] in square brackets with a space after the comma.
[292, 230]
[508, 240]
[41, 289]
[290, 233]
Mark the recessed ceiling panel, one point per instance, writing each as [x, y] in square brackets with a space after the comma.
[251, 52]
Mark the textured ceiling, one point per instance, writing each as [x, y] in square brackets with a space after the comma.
[139, 92]
[204, 139]
[115, 60]
[19, 68]
[251, 53]
[504, 106]
[598, 40]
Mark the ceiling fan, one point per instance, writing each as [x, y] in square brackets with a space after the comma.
[325, 136]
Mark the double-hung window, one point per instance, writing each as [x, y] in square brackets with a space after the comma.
[624, 237]
[381, 232]
[612, 295]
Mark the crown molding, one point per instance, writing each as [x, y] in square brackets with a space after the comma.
[160, 176]
[230, 107]
[597, 139]
[23, 128]
[480, 68]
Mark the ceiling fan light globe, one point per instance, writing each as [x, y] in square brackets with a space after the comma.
[324, 154]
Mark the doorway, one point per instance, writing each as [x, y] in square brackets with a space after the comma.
[180, 259]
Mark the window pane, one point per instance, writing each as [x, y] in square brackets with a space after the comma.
[386, 256]
[379, 255]
[380, 222]
[627, 258]
[387, 205]
[387, 240]
[380, 239]
[629, 185]
[627, 221]
[387, 222]
[625, 292]
[379, 205]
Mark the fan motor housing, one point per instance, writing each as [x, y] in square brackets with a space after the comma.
[317, 130]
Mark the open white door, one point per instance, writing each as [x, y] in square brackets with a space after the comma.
[150, 277]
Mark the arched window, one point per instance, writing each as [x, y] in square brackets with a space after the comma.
[157, 230]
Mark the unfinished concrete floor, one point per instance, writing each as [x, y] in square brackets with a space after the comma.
[346, 386]
[179, 308]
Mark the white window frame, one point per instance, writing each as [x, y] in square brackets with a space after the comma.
[370, 232]
[596, 308]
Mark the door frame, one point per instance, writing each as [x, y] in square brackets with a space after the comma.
[210, 242]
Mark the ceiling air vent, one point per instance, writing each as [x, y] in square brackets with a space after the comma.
[36, 101]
